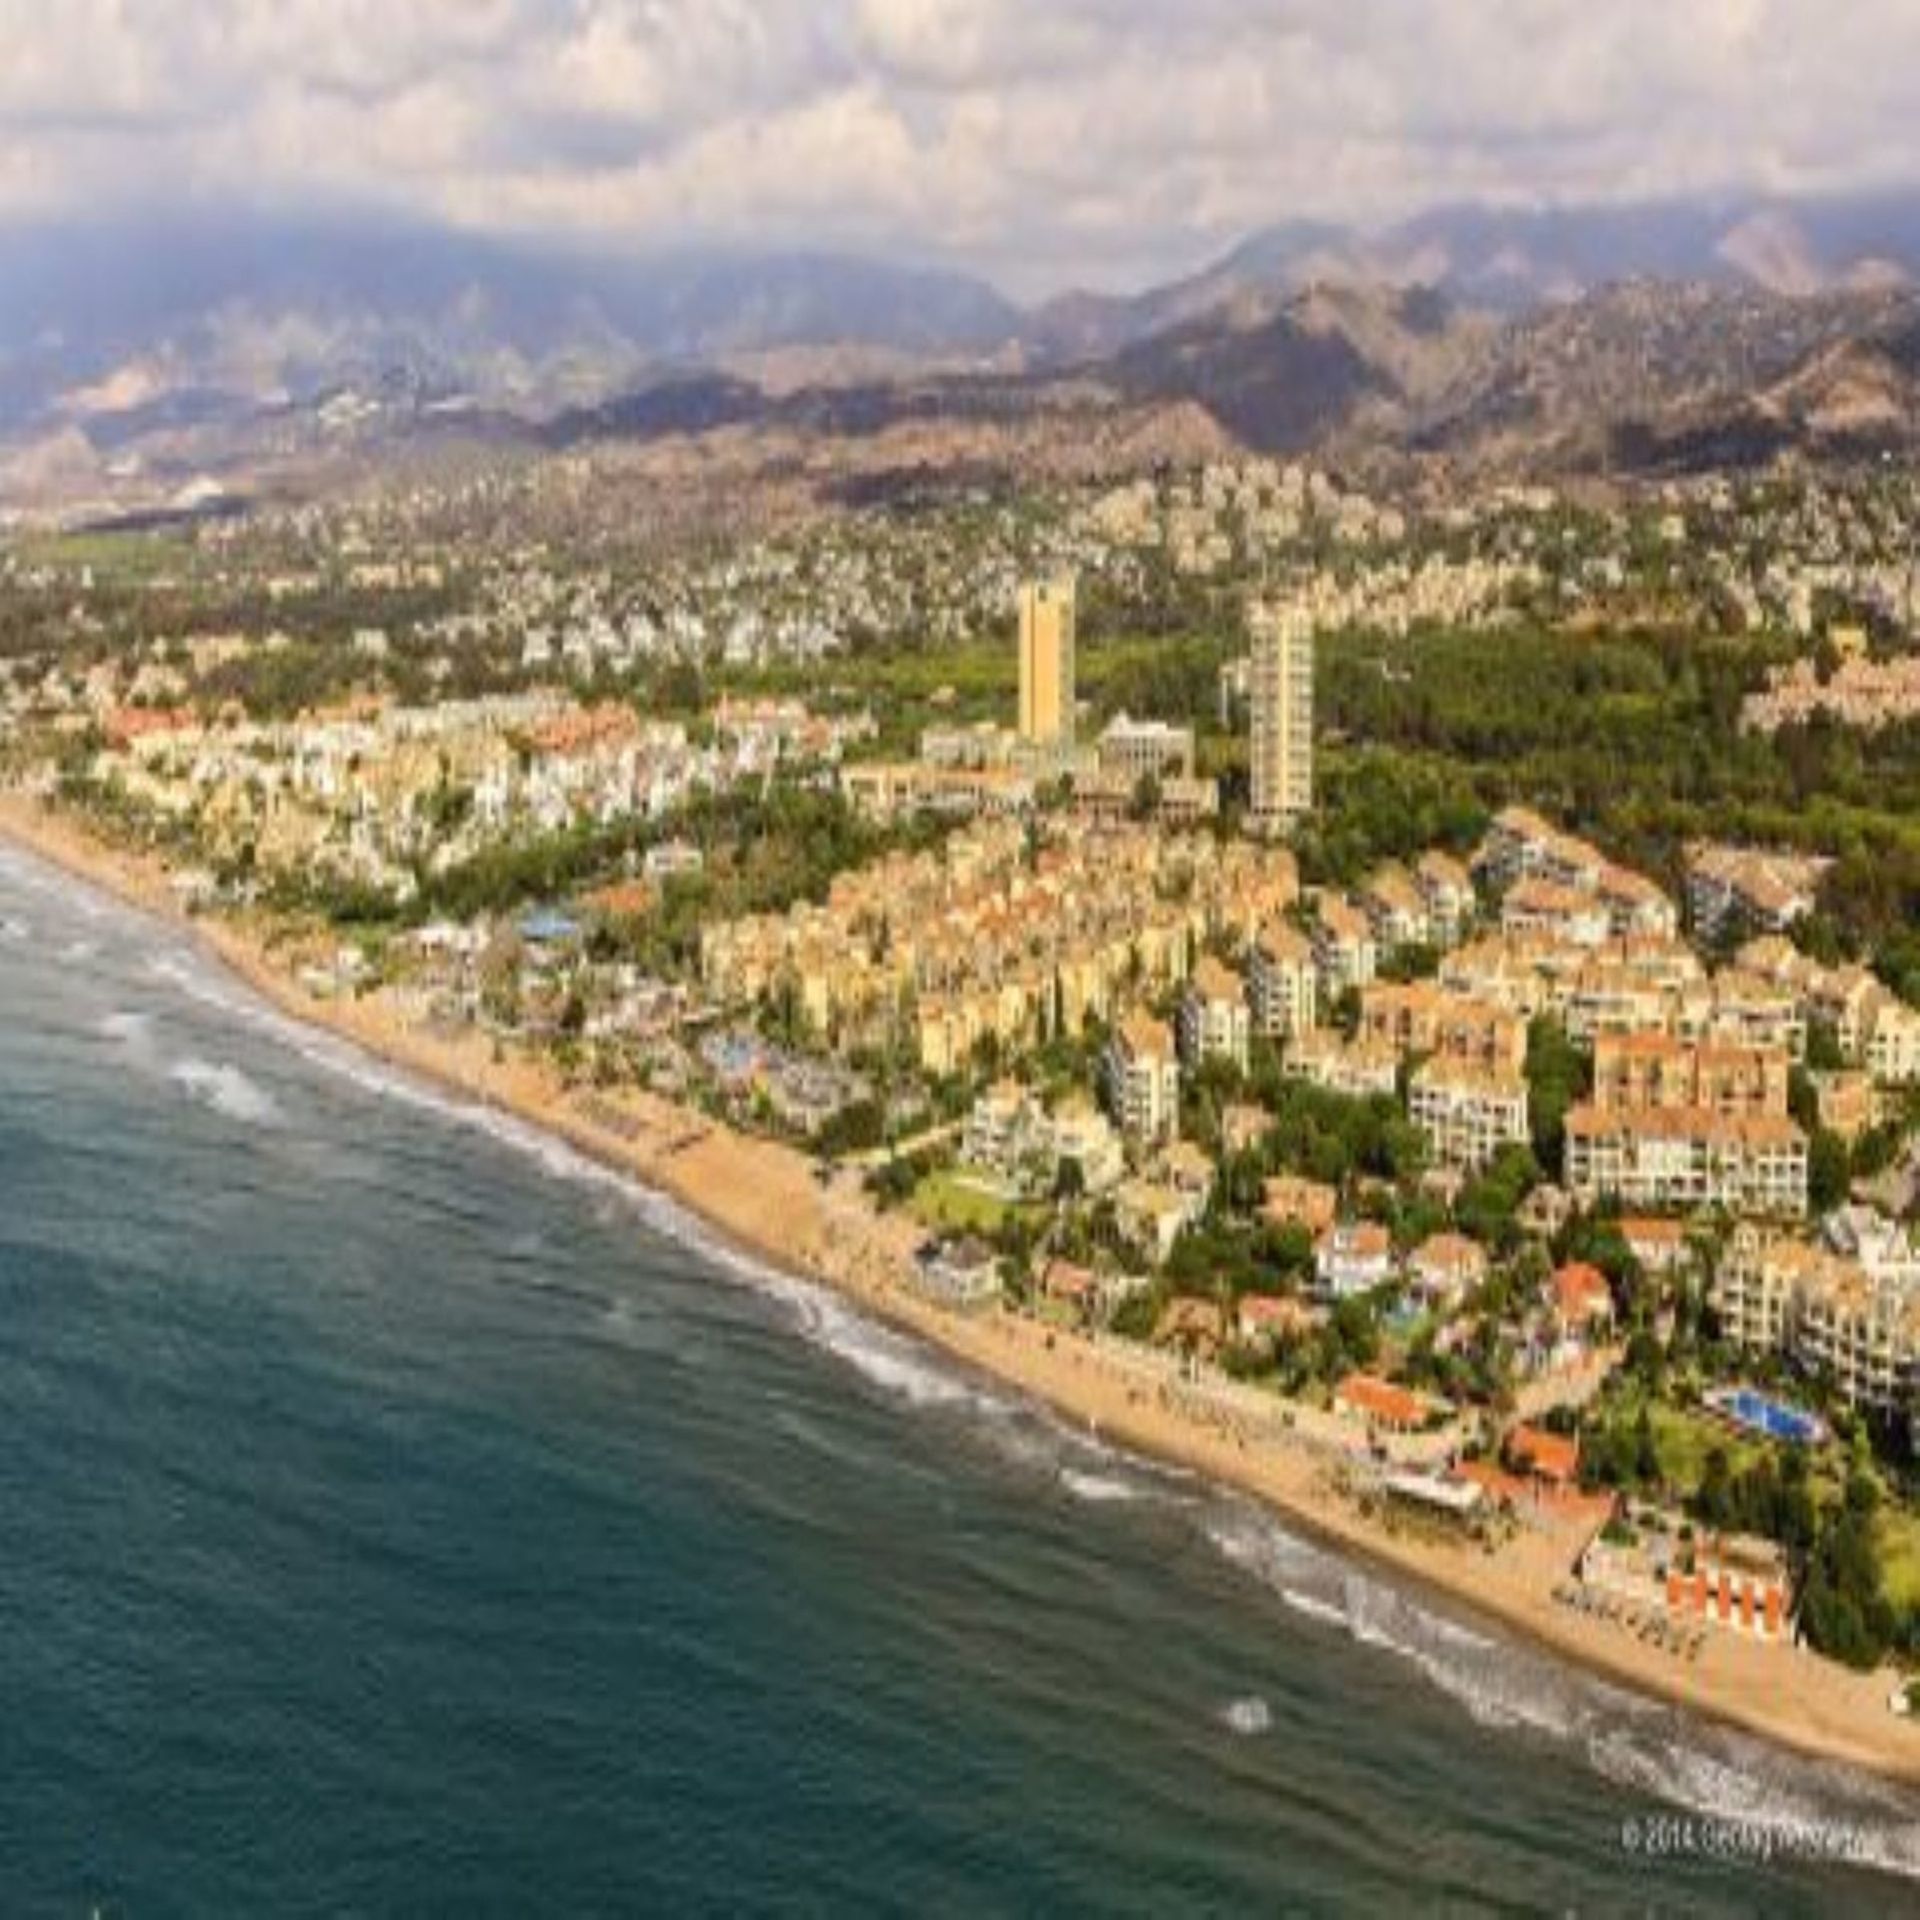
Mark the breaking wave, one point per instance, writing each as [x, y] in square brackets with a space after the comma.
[1100, 1488]
[1248, 1717]
[1638, 1743]
[226, 1091]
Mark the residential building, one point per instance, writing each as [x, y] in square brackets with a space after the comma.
[1650, 1072]
[1143, 1079]
[1853, 1319]
[1353, 1257]
[1380, 1404]
[1445, 1268]
[1010, 1135]
[1556, 912]
[1685, 1158]
[1344, 949]
[1281, 699]
[1468, 1112]
[1290, 1200]
[1215, 1023]
[1737, 892]
[1395, 908]
[1446, 890]
[1137, 750]
[962, 1274]
[1359, 1069]
[1282, 982]
[1150, 1217]
[1418, 1017]
[1047, 655]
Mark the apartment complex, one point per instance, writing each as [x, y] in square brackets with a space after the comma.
[1280, 691]
[1468, 1112]
[1521, 846]
[1011, 1135]
[1282, 982]
[1215, 1022]
[1360, 1069]
[1047, 644]
[1734, 891]
[1677, 1125]
[1653, 1072]
[1344, 948]
[994, 939]
[1418, 1017]
[1142, 1073]
[1851, 1316]
[1686, 1159]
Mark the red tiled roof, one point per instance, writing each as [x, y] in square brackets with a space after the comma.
[1552, 1456]
[1380, 1400]
[1581, 1292]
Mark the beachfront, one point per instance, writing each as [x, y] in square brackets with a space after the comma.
[768, 1197]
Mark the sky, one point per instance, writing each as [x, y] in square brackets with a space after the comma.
[1045, 143]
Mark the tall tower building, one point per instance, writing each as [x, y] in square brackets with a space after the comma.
[1046, 661]
[1280, 692]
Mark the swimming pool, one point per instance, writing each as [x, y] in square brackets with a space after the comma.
[1746, 1407]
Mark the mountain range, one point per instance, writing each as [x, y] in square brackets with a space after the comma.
[203, 357]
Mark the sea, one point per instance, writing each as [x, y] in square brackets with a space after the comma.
[400, 1515]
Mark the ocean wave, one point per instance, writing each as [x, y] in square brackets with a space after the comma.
[1637, 1743]
[129, 1029]
[1102, 1489]
[1817, 1809]
[1315, 1608]
[1248, 1717]
[226, 1091]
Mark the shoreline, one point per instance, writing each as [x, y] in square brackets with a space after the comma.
[764, 1198]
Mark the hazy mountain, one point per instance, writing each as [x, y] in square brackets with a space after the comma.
[1509, 260]
[95, 319]
[137, 368]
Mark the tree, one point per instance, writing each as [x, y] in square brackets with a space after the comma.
[1829, 1169]
[1557, 1076]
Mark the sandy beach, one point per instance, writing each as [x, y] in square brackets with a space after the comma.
[767, 1198]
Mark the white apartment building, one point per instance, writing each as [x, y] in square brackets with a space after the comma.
[1142, 1073]
[1468, 1113]
[1828, 1312]
[1683, 1159]
[1283, 982]
[1280, 689]
[1344, 948]
[1215, 1020]
[1359, 1069]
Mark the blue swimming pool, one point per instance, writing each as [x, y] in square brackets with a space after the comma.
[1758, 1413]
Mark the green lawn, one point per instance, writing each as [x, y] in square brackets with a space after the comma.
[949, 1202]
[1685, 1436]
[1900, 1554]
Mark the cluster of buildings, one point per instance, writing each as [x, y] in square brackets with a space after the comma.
[1844, 1303]
[999, 938]
[964, 772]
[367, 792]
[1862, 693]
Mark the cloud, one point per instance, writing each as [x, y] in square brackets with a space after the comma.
[1043, 140]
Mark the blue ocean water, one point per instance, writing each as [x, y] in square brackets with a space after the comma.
[398, 1516]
